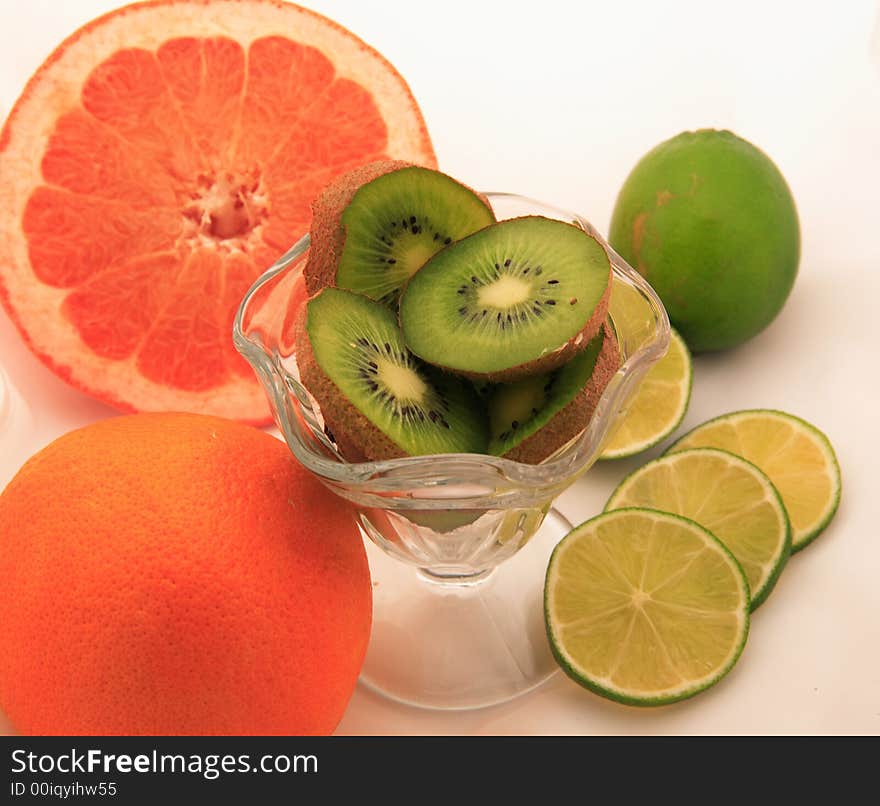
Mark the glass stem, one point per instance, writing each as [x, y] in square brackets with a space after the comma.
[453, 578]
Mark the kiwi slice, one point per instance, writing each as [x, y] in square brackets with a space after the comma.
[514, 299]
[534, 417]
[376, 226]
[378, 400]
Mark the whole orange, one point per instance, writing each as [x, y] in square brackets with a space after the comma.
[177, 574]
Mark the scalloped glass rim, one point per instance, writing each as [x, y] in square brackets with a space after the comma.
[435, 470]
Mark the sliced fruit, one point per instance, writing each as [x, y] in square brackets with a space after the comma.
[532, 418]
[795, 455]
[645, 607]
[726, 494]
[659, 405]
[162, 158]
[375, 226]
[514, 299]
[379, 401]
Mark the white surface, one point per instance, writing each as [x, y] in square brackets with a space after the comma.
[558, 100]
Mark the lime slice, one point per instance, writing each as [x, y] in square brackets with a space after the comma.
[659, 404]
[644, 607]
[727, 495]
[796, 456]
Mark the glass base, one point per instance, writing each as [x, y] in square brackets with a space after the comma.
[465, 642]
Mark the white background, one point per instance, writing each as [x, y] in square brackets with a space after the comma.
[557, 100]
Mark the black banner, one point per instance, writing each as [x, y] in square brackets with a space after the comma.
[129, 770]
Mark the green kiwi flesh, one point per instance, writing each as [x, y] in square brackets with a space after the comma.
[534, 417]
[378, 400]
[399, 220]
[520, 297]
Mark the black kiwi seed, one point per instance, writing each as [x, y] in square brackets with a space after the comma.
[522, 320]
[396, 217]
[395, 261]
[407, 411]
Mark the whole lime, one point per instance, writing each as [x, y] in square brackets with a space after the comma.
[710, 222]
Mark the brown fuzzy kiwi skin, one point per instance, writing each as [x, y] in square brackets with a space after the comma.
[552, 359]
[327, 231]
[571, 420]
[357, 439]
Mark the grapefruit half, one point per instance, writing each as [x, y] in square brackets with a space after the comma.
[157, 162]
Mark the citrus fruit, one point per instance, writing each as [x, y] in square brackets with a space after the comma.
[157, 162]
[645, 607]
[659, 405]
[710, 222]
[727, 495]
[177, 574]
[796, 456]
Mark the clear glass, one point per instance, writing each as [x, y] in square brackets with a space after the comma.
[449, 630]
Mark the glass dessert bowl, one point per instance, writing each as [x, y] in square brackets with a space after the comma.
[450, 628]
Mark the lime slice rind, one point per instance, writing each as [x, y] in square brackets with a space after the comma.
[801, 537]
[774, 560]
[617, 446]
[604, 685]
